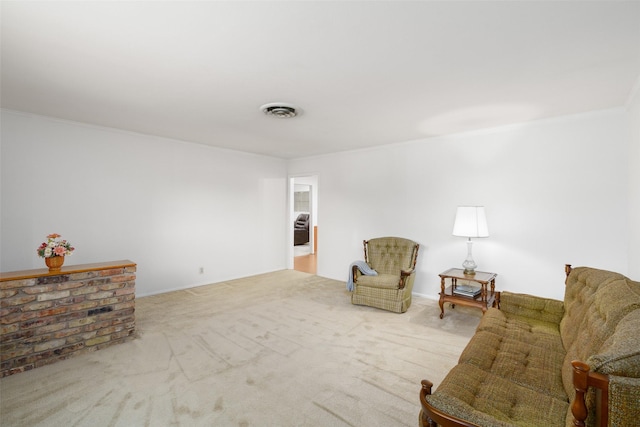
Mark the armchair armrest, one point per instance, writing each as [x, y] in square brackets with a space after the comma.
[404, 275]
[408, 272]
[355, 272]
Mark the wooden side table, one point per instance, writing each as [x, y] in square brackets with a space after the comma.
[485, 299]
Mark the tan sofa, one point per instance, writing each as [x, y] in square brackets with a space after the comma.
[542, 362]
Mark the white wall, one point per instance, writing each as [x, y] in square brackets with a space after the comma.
[555, 192]
[634, 184]
[170, 206]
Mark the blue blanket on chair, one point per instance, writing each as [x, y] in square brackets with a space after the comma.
[364, 269]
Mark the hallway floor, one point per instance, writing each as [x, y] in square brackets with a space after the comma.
[304, 260]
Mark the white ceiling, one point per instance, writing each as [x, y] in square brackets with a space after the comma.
[363, 73]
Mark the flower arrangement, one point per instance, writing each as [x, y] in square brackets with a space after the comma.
[55, 247]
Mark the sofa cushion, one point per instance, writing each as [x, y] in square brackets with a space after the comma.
[489, 400]
[620, 353]
[596, 302]
[519, 360]
[536, 332]
[532, 307]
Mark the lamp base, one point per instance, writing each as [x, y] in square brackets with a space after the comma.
[468, 272]
[469, 264]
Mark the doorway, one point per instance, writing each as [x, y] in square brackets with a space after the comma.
[303, 214]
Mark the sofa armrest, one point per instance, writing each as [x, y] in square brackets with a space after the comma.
[432, 417]
[582, 380]
[624, 400]
[533, 307]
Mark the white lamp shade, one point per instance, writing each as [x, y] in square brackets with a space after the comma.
[471, 221]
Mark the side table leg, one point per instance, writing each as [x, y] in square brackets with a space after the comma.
[483, 296]
[441, 300]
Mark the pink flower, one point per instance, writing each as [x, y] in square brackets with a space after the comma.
[55, 247]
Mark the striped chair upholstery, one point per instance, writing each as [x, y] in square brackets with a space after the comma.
[394, 259]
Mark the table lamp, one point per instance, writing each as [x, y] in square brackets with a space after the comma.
[471, 221]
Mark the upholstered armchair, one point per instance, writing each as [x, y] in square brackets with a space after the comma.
[301, 230]
[394, 259]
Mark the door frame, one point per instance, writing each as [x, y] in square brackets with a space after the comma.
[311, 180]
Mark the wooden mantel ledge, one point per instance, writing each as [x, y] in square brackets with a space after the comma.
[66, 269]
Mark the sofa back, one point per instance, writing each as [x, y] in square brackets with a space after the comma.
[600, 324]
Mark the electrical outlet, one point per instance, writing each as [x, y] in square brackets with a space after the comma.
[201, 270]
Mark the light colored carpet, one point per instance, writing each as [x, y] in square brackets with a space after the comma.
[279, 349]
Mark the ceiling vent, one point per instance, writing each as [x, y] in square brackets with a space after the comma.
[279, 110]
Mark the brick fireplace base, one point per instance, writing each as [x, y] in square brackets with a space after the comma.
[47, 316]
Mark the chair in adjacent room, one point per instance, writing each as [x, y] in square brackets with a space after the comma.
[301, 229]
[394, 259]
